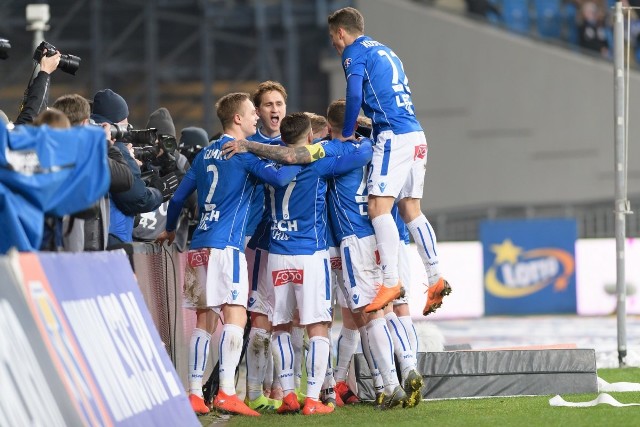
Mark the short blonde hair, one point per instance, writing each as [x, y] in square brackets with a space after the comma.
[228, 106]
[317, 122]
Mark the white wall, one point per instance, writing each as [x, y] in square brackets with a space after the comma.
[509, 120]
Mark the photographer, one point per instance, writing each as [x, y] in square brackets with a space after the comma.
[88, 230]
[168, 166]
[37, 94]
[109, 107]
[192, 140]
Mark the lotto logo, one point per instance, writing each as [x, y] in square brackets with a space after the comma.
[420, 151]
[282, 277]
[198, 257]
[336, 263]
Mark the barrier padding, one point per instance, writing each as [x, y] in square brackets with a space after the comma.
[98, 333]
[34, 392]
[452, 374]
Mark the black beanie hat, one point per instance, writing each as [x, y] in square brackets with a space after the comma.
[193, 136]
[109, 107]
[162, 121]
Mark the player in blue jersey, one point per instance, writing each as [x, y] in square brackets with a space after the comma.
[376, 82]
[398, 317]
[348, 214]
[298, 260]
[270, 100]
[216, 272]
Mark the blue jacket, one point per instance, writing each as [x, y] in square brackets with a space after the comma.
[139, 199]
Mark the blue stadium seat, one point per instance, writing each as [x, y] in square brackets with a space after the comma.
[515, 14]
[569, 15]
[549, 18]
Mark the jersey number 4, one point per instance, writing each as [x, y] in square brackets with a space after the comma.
[403, 93]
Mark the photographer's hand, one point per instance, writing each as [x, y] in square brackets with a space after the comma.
[48, 64]
[107, 132]
[234, 147]
[131, 152]
[169, 236]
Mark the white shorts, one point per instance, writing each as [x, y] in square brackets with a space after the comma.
[301, 282]
[404, 272]
[398, 165]
[337, 281]
[361, 267]
[214, 277]
[261, 297]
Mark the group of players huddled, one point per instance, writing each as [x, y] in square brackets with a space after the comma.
[298, 213]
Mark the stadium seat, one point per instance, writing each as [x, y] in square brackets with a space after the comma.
[515, 14]
[548, 18]
[569, 15]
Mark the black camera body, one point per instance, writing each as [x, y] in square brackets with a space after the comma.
[68, 63]
[146, 153]
[4, 48]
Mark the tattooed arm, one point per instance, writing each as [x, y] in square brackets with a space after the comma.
[279, 154]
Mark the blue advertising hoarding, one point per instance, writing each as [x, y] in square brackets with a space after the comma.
[529, 266]
[98, 328]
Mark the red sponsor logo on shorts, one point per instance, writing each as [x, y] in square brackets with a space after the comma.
[336, 263]
[377, 257]
[282, 277]
[198, 257]
[420, 151]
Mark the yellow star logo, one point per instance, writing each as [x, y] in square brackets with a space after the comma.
[506, 252]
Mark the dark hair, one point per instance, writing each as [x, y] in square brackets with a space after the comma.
[228, 106]
[348, 18]
[268, 86]
[293, 127]
[74, 106]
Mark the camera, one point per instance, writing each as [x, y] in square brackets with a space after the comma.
[145, 154]
[126, 133]
[144, 144]
[4, 48]
[68, 63]
[168, 143]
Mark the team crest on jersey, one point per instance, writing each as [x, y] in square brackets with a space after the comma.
[420, 151]
[336, 263]
[282, 277]
[198, 257]
[346, 63]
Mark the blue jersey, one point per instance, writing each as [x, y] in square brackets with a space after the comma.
[386, 97]
[348, 200]
[257, 200]
[298, 211]
[403, 231]
[225, 187]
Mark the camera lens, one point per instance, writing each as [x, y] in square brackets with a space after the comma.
[69, 64]
[167, 143]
